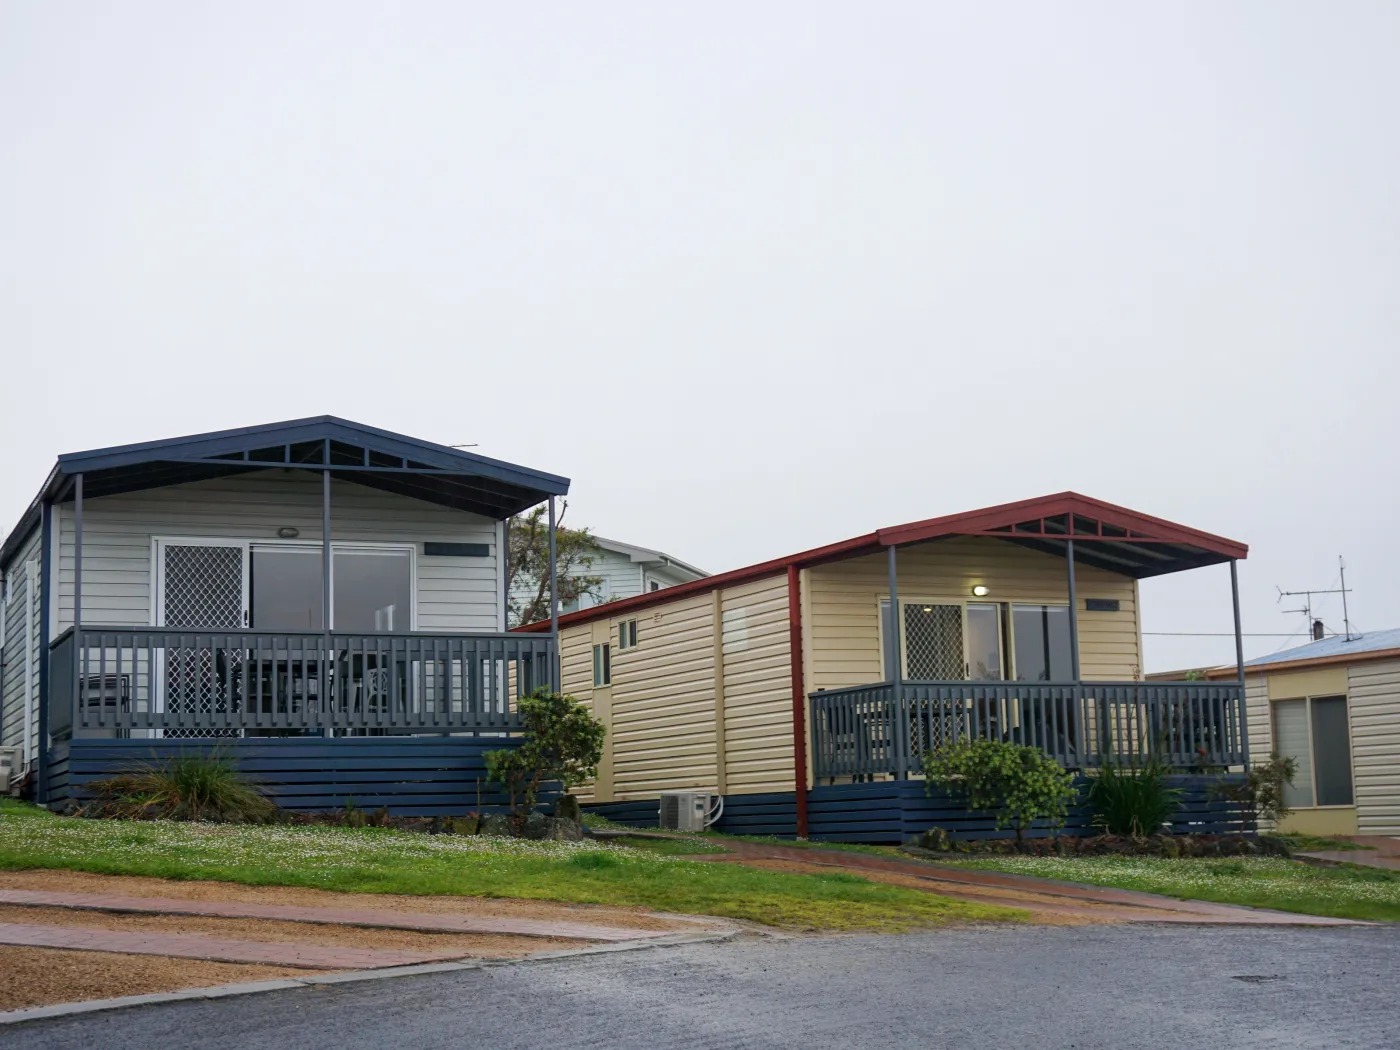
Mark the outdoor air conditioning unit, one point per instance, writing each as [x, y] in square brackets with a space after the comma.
[689, 810]
[11, 766]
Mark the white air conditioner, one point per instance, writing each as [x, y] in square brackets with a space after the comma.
[11, 766]
[689, 810]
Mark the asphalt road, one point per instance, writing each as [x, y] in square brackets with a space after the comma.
[1114, 987]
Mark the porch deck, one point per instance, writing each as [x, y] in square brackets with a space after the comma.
[153, 683]
[887, 728]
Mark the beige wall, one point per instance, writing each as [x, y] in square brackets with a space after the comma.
[672, 725]
[1374, 709]
[845, 604]
[1372, 689]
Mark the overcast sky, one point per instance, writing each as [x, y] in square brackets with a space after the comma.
[756, 276]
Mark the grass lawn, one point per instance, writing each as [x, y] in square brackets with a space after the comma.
[381, 860]
[1346, 892]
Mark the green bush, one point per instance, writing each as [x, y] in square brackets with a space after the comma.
[563, 742]
[185, 787]
[1020, 784]
[1262, 788]
[1133, 800]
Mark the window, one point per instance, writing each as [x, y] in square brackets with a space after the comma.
[627, 634]
[655, 586]
[1314, 733]
[944, 641]
[1042, 649]
[602, 664]
[371, 589]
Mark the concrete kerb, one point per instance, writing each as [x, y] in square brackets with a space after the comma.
[225, 991]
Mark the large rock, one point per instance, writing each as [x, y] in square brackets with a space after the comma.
[566, 807]
[558, 829]
[498, 824]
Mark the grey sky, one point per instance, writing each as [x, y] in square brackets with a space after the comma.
[756, 276]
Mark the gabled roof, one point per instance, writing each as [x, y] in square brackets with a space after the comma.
[363, 454]
[1339, 649]
[646, 556]
[1106, 536]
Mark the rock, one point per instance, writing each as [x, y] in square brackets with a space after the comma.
[559, 829]
[535, 826]
[498, 824]
[935, 838]
[566, 807]
[467, 825]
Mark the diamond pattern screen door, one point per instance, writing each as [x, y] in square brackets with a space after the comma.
[204, 586]
[933, 642]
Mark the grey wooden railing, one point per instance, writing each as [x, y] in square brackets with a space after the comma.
[229, 683]
[887, 729]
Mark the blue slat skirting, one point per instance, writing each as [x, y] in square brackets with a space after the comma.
[411, 776]
[893, 811]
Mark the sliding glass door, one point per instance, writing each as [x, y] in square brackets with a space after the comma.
[942, 641]
[371, 588]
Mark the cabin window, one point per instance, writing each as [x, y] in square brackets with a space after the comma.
[627, 634]
[655, 586]
[1042, 649]
[602, 664]
[371, 588]
[1314, 733]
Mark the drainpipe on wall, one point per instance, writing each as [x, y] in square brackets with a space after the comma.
[799, 698]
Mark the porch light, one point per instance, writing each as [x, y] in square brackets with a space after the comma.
[288, 533]
[981, 590]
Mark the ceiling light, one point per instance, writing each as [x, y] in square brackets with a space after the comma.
[981, 590]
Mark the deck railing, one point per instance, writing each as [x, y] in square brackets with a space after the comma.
[174, 683]
[888, 728]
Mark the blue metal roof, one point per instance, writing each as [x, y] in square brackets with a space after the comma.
[355, 452]
[1370, 642]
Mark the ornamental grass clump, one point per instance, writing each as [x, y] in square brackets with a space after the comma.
[1018, 784]
[204, 787]
[1133, 800]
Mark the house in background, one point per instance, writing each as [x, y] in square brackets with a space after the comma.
[325, 598]
[628, 570]
[1332, 705]
[821, 676]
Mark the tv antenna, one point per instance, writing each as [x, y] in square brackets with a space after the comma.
[1307, 597]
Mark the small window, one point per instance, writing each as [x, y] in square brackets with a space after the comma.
[602, 664]
[627, 634]
[655, 586]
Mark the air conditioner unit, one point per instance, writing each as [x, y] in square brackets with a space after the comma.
[689, 810]
[11, 766]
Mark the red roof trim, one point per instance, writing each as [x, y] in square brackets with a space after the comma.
[1140, 526]
[972, 522]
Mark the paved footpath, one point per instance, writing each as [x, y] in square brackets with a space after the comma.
[393, 920]
[1384, 853]
[1049, 897]
[218, 949]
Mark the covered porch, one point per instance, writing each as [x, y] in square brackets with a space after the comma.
[990, 665]
[278, 628]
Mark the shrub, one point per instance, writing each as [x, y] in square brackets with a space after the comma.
[1020, 784]
[1133, 800]
[1262, 788]
[563, 742]
[184, 787]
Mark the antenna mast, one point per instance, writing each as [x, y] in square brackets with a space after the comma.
[1307, 597]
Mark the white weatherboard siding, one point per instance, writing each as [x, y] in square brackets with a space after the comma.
[454, 594]
[1373, 689]
[21, 667]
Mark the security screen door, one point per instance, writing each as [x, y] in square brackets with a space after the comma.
[203, 586]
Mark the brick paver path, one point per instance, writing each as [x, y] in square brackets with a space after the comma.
[219, 949]
[1024, 891]
[394, 920]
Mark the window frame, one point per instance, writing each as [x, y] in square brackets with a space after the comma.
[602, 665]
[1006, 615]
[626, 635]
[1312, 747]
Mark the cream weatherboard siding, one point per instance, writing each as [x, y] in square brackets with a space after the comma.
[662, 705]
[845, 604]
[1260, 727]
[757, 687]
[21, 611]
[1373, 689]
[453, 594]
